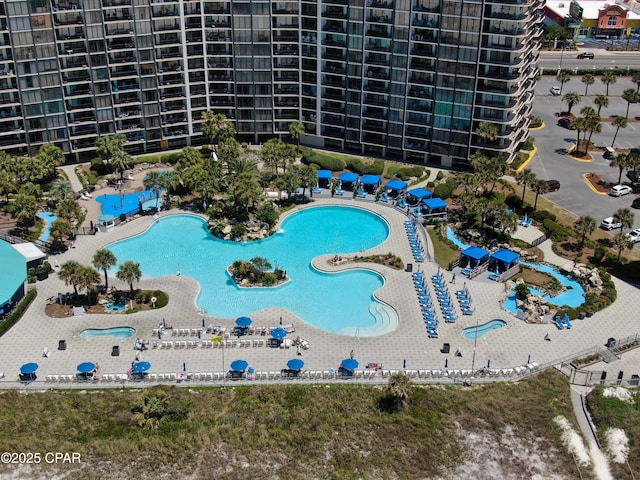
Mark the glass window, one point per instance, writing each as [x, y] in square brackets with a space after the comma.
[612, 21]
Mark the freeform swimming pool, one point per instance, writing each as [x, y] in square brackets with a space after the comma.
[48, 218]
[118, 332]
[127, 203]
[341, 303]
[473, 333]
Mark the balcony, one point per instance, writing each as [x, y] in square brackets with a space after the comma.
[122, 86]
[117, 16]
[427, 6]
[128, 72]
[71, 18]
[80, 105]
[163, 27]
[115, 3]
[127, 98]
[159, 12]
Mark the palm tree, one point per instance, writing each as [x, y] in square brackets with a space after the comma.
[608, 78]
[216, 127]
[107, 146]
[120, 161]
[68, 209]
[272, 153]
[7, 184]
[563, 77]
[540, 187]
[625, 217]
[399, 387]
[526, 178]
[620, 242]
[70, 274]
[592, 124]
[620, 161]
[585, 226]
[588, 79]
[618, 122]
[488, 132]
[631, 96]
[296, 130]
[60, 190]
[88, 277]
[507, 222]
[152, 182]
[579, 125]
[104, 259]
[245, 191]
[24, 208]
[129, 272]
[51, 157]
[601, 102]
[308, 177]
[635, 78]
[571, 99]
[29, 168]
[228, 152]
[59, 229]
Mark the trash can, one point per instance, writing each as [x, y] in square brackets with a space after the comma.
[635, 380]
[123, 217]
[42, 275]
[446, 348]
[409, 267]
[62, 345]
[115, 351]
[610, 343]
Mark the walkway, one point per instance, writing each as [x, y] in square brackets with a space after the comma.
[70, 172]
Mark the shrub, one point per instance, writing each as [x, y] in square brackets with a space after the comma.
[13, 318]
[541, 215]
[522, 290]
[512, 200]
[357, 166]
[101, 168]
[267, 214]
[444, 190]
[324, 161]
[238, 230]
[554, 230]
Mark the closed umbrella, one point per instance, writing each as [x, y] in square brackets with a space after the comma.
[295, 364]
[239, 365]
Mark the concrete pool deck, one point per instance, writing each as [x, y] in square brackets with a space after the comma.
[507, 347]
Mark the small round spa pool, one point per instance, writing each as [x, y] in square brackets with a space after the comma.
[473, 333]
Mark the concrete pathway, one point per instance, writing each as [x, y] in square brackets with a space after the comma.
[70, 172]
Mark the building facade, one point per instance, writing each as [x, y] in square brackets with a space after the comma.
[597, 19]
[407, 79]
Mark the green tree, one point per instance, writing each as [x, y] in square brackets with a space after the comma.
[267, 214]
[588, 79]
[60, 190]
[592, 124]
[400, 387]
[631, 96]
[584, 226]
[106, 147]
[104, 259]
[620, 161]
[216, 127]
[635, 78]
[245, 191]
[29, 168]
[488, 132]
[618, 122]
[69, 209]
[601, 101]
[88, 278]
[525, 178]
[571, 99]
[296, 130]
[129, 272]
[261, 263]
[31, 189]
[120, 161]
[608, 78]
[539, 187]
[152, 182]
[70, 274]
[579, 125]
[51, 157]
[59, 229]
[272, 153]
[7, 184]
[23, 209]
[308, 177]
[563, 77]
[288, 182]
[625, 217]
[620, 242]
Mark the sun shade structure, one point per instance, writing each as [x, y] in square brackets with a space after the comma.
[325, 178]
[434, 205]
[474, 256]
[397, 185]
[140, 367]
[278, 333]
[370, 183]
[349, 178]
[295, 364]
[504, 259]
[29, 368]
[239, 365]
[243, 321]
[350, 364]
[86, 367]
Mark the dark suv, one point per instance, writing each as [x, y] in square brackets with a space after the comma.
[565, 123]
[553, 185]
[586, 55]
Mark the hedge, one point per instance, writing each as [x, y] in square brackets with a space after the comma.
[325, 162]
[357, 166]
[13, 318]
[554, 230]
[444, 190]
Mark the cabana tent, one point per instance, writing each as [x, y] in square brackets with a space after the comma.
[370, 183]
[348, 178]
[435, 206]
[324, 178]
[473, 256]
[416, 195]
[396, 188]
[503, 260]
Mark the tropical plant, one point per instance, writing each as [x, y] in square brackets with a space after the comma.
[228, 152]
[601, 101]
[120, 161]
[32, 189]
[152, 181]
[60, 190]
[104, 259]
[70, 273]
[129, 272]
[272, 153]
[28, 168]
[399, 387]
[608, 78]
[59, 229]
[592, 124]
[618, 122]
[585, 226]
[620, 242]
[245, 191]
[51, 157]
[539, 187]
[296, 130]
[216, 127]
[525, 178]
[620, 161]
[631, 96]
[7, 184]
[571, 99]
[635, 78]
[308, 177]
[87, 278]
[69, 209]
[261, 263]
[624, 216]
[579, 125]
[23, 209]
[588, 79]
[106, 147]
[563, 77]
[488, 132]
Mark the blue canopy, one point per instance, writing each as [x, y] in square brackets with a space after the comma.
[396, 185]
[348, 177]
[295, 364]
[140, 367]
[243, 321]
[239, 365]
[505, 256]
[325, 174]
[278, 333]
[86, 367]
[370, 180]
[28, 368]
[475, 253]
[419, 193]
[350, 364]
[434, 204]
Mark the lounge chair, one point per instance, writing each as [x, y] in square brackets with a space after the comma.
[529, 222]
[339, 191]
[317, 190]
[559, 323]
[384, 197]
[523, 220]
[362, 194]
[567, 321]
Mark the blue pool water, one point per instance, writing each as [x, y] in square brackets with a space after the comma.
[452, 236]
[128, 203]
[48, 218]
[572, 297]
[473, 333]
[341, 303]
[114, 307]
[118, 332]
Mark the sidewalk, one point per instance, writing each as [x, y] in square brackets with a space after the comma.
[70, 172]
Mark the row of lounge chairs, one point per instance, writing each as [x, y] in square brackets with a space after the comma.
[464, 299]
[228, 343]
[444, 298]
[417, 249]
[525, 222]
[426, 305]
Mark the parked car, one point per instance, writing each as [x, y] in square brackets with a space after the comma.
[609, 224]
[636, 203]
[565, 123]
[555, 90]
[620, 190]
[635, 150]
[634, 235]
[553, 185]
[609, 153]
[586, 55]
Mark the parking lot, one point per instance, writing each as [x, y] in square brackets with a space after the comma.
[553, 141]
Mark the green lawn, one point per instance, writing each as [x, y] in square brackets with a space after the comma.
[444, 254]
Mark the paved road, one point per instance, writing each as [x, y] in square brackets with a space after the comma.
[602, 58]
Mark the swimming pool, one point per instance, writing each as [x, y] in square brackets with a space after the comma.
[114, 307]
[452, 236]
[127, 203]
[473, 333]
[118, 332]
[48, 218]
[339, 303]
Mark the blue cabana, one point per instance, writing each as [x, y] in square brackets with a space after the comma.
[370, 183]
[324, 178]
[416, 195]
[473, 256]
[396, 187]
[435, 205]
[349, 178]
[503, 260]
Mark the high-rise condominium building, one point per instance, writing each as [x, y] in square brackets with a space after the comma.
[408, 79]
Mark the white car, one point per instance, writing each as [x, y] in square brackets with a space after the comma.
[555, 91]
[610, 223]
[620, 190]
[634, 235]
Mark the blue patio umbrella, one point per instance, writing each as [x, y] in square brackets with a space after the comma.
[295, 364]
[243, 321]
[28, 368]
[350, 364]
[86, 367]
[239, 365]
[140, 367]
[278, 333]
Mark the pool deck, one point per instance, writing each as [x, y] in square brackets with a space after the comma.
[506, 348]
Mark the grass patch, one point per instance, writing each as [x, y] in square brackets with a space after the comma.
[285, 431]
[534, 277]
[444, 253]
